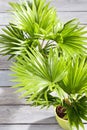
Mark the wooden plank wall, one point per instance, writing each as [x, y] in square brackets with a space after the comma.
[14, 113]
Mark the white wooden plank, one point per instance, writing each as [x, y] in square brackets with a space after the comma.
[30, 127]
[4, 5]
[26, 114]
[5, 18]
[60, 5]
[9, 96]
[4, 62]
[5, 78]
[20, 114]
[64, 16]
[70, 5]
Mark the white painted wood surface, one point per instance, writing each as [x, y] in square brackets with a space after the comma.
[5, 63]
[8, 96]
[14, 113]
[5, 78]
[64, 16]
[30, 127]
[60, 5]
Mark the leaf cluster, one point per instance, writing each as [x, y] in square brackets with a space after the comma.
[35, 24]
[39, 76]
[47, 81]
[76, 111]
[51, 64]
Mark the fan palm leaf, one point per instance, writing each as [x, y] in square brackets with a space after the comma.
[74, 38]
[76, 79]
[36, 21]
[33, 20]
[77, 108]
[37, 74]
[35, 17]
[13, 41]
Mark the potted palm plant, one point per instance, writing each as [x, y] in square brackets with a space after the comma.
[54, 81]
[51, 65]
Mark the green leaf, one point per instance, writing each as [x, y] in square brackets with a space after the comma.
[36, 73]
[75, 80]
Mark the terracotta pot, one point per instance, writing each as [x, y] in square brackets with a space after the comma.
[62, 122]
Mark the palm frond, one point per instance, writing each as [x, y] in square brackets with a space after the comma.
[76, 111]
[76, 79]
[33, 21]
[37, 74]
[12, 40]
[71, 39]
[34, 17]
[74, 38]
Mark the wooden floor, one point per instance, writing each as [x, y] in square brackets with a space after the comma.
[14, 113]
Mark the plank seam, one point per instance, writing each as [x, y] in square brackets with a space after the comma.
[4, 69]
[28, 123]
[31, 123]
[15, 105]
[8, 12]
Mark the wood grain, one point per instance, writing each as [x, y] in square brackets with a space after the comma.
[5, 78]
[26, 114]
[60, 5]
[19, 114]
[4, 5]
[30, 127]
[8, 96]
[70, 5]
[5, 18]
[5, 63]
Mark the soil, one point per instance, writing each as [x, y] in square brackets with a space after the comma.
[60, 111]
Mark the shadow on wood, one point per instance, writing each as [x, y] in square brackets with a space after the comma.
[39, 125]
